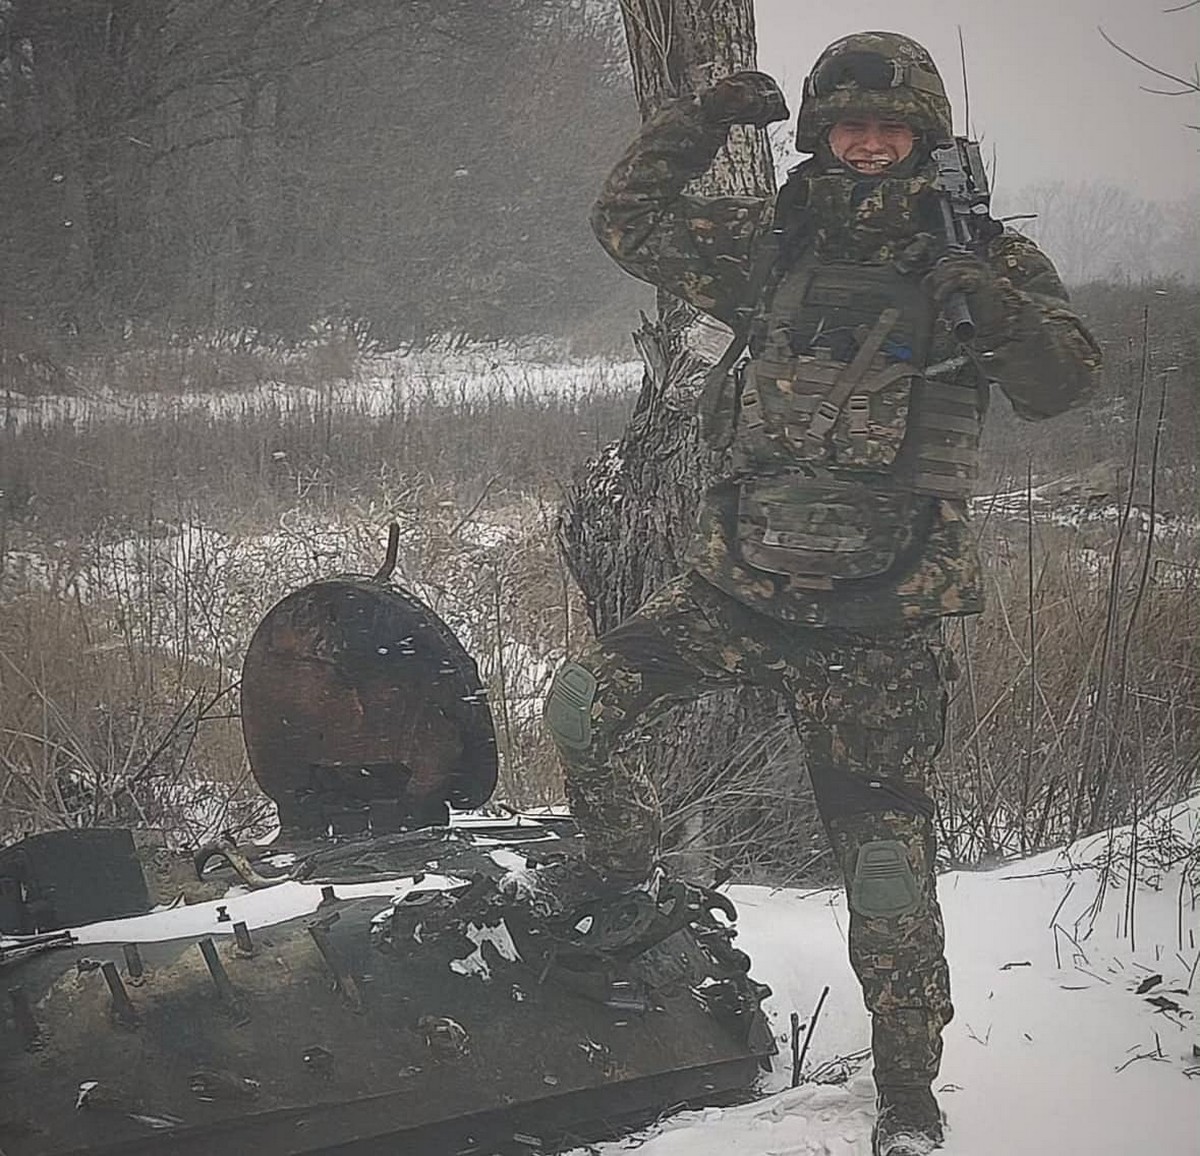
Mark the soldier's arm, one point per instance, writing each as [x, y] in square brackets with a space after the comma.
[695, 247]
[1044, 358]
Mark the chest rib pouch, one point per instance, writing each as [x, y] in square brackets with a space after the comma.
[790, 412]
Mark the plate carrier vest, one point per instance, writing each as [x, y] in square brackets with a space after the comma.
[832, 456]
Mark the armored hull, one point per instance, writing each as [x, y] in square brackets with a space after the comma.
[417, 993]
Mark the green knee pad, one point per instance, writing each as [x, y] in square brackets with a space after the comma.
[568, 710]
[884, 886]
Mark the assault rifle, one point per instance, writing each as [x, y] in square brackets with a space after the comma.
[963, 183]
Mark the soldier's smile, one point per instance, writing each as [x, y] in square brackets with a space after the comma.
[870, 145]
[870, 164]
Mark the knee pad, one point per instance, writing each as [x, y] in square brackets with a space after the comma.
[884, 886]
[568, 709]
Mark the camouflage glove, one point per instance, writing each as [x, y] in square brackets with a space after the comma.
[966, 273]
[744, 98]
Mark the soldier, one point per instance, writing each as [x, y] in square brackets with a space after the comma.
[837, 540]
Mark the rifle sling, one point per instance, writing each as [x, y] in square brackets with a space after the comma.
[716, 378]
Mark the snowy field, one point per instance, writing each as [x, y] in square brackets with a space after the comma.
[1053, 1050]
[1076, 987]
[380, 387]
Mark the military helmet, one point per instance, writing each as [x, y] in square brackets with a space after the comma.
[879, 74]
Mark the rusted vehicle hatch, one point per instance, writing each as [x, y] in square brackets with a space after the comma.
[362, 711]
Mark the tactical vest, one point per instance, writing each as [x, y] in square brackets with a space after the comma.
[852, 409]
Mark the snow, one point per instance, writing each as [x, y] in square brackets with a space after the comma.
[262, 908]
[382, 387]
[1052, 1051]
[291, 900]
[474, 964]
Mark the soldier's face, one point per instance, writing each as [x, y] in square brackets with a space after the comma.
[871, 145]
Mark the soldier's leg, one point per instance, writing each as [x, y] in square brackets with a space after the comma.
[669, 651]
[873, 725]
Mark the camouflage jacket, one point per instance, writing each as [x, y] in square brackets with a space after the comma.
[704, 249]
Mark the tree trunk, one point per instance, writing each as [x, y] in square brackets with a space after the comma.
[627, 520]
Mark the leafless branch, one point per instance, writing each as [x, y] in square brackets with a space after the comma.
[1186, 86]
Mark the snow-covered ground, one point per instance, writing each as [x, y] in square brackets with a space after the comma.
[1052, 1052]
[380, 387]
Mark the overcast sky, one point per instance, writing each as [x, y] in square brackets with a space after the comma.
[1058, 102]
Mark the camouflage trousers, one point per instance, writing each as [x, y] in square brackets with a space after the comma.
[871, 712]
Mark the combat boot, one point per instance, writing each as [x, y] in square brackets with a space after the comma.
[908, 1124]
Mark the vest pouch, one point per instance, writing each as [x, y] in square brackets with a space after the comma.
[779, 401]
[821, 530]
[874, 421]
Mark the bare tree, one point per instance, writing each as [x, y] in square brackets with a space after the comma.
[256, 169]
[1098, 231]
[1181, 85]
[627, 520]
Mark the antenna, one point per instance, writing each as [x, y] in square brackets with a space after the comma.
[962, 56]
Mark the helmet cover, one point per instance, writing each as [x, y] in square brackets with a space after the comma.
[880, 74]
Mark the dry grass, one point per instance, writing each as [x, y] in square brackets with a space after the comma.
[1078, 703]
[139, 550]
[98, 730]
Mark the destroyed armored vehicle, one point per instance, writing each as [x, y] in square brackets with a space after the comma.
[379, 979]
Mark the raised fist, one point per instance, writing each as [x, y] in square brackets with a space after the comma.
[744, 98]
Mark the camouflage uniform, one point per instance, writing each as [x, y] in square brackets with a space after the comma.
[876, 513]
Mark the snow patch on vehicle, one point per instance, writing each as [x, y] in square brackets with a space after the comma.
[262, 908]
[474, 964]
